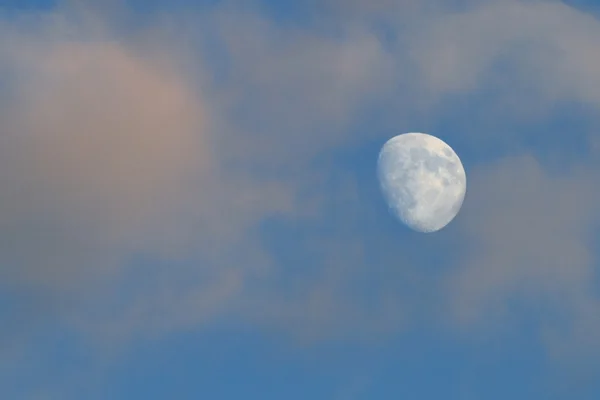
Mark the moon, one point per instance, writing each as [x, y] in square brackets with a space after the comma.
[422, 180]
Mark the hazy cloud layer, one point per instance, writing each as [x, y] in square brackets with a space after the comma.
[529, 234]
[544, 47]
[530, 229]
[184, 145]
[112, 153]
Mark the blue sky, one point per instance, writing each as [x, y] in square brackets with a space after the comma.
[189, 204]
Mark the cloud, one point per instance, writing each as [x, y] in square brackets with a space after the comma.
[96, 142]
[143, 173]
[530, 257]
[289, 87]
[541, 49]
[114, 152]
[529, 224]
[100, 142]
[506, 71]
[528, 233]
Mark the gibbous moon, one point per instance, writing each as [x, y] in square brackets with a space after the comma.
[422, 180]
